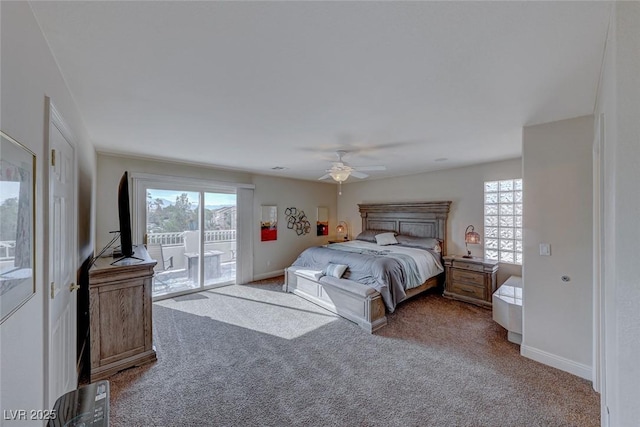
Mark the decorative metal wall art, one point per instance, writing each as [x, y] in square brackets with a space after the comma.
[297, 220]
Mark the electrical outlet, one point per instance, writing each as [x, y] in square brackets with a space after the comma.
[545, 249]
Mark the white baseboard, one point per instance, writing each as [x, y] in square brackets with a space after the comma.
[578, 369]
[268, 275]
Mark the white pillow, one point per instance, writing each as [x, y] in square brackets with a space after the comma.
[384, 239]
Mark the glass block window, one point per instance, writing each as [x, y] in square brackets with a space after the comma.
[503, 220]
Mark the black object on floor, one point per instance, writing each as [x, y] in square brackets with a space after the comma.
[87, 406]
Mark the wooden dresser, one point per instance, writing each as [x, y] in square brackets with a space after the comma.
[120, 322]
[470, 279]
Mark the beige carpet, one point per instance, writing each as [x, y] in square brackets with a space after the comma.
[252, 355]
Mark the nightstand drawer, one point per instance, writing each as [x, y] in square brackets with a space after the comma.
[468, 266]
[468, 290]
[467, 276]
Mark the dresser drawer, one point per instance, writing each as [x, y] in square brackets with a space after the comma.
[468, 266]
[468, 290]
[467, 276]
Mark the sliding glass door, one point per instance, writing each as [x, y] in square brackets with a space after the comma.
[191, 233]
[220, 219]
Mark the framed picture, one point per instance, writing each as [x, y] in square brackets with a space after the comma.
[17, 209]
[269, 223]
[322, 225]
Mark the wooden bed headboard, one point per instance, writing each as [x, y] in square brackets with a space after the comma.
[420, 219]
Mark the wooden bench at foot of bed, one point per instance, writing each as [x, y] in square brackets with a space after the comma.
[351, 300]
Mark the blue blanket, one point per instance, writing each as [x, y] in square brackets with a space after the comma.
[408, 264]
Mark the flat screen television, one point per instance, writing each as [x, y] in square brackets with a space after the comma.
[124, 215]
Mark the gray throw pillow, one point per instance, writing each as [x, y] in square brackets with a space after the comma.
[335, 270]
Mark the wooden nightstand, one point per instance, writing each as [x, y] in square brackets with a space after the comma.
[470, 279]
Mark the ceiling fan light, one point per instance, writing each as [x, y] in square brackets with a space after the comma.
[339, 176]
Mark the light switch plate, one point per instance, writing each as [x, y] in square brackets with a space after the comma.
[545, 249]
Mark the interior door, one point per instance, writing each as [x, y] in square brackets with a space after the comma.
[62, 374]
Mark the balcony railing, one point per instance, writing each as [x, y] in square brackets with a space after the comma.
[7, 250]
[219, 236]
[8, 247]
[177, 238]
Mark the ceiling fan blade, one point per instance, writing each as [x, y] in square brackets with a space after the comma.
[370, 168]
[324, 177]
[359, 174]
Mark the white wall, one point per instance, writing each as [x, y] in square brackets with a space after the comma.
[463, 186]
[28, 74]
[619, 102]
[557, 180]
[272, 257]
[605, 109]
[279, 254]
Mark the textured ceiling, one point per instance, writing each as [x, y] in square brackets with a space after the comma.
[255, 85]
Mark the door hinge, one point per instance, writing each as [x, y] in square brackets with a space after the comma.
[53, 290]
[53, 157]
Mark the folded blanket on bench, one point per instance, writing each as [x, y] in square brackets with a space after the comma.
[311, 274]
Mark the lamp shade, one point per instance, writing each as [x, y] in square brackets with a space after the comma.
[343, 228]
[470, 236]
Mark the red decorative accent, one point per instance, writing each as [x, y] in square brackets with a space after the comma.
[267, 234]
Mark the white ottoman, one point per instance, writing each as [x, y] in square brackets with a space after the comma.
[507, 308]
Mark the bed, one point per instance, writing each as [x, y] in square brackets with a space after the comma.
[378, 278]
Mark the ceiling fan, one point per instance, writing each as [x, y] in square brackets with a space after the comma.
[340, 171]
